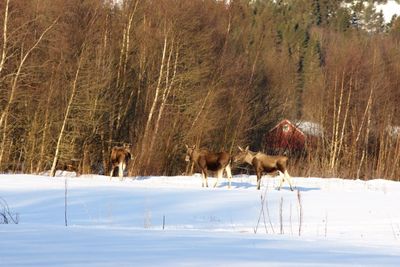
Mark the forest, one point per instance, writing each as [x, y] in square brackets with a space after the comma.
[78, 77]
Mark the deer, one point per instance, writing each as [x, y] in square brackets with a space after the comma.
[120, 156]
[263, 163]
[210, 161]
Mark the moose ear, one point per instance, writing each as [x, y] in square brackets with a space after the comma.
[194, 146]
[241, 149]
[247, 148]
[186, 146]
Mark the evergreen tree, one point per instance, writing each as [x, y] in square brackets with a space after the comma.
[370, 19]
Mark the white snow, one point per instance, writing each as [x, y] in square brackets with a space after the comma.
[120, 223]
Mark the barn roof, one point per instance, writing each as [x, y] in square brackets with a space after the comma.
[393, 130]
[310, 128]
[282, 122]
[305, 127]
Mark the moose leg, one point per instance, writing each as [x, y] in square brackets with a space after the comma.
[228, 174]
[120, 170]
[287, 177]
[259, 171]
[258, 181]
[112, 172]
[259, 175]
[121, 173]
[282, 179]
[219, 175]
[204, 174]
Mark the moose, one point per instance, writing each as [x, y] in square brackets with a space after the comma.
[120, 155]
[208, 160]
[264, 163]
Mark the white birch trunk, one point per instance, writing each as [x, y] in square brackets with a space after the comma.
[154, 104]
[4, 114]
[124, 57]
[4, 49]
[46, 126]
[342, 133]
[168, 85]
[61, 134]
[155, 100]
[337, 126]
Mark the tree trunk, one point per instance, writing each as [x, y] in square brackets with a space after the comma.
[4, 49]
[155, 100]
[46, 124]
[61, 134]
[5, 113]
[167, 90]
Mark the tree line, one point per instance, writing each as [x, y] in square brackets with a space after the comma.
[78, 77]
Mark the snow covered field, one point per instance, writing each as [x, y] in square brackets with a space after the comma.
[114, 223]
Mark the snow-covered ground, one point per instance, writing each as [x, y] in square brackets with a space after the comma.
[114, 223]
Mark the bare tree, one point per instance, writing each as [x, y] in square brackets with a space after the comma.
[5, 112]
[66, 117]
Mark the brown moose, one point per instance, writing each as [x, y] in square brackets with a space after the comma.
[208, 160]
[119, 158]
[264, 163]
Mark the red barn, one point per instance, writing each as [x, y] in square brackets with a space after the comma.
[291, 138]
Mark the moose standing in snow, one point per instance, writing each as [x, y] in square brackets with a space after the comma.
[119, 158]
[208, 160]
[264, 163]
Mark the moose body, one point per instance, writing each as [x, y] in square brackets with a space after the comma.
[208, 160]
[120, 157]
[264, 163]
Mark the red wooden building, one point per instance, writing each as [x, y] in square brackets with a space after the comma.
[291, 138]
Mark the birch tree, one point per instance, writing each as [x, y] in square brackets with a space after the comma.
[5, 112]
[169, 83]
[5, 37]
[66, 117]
